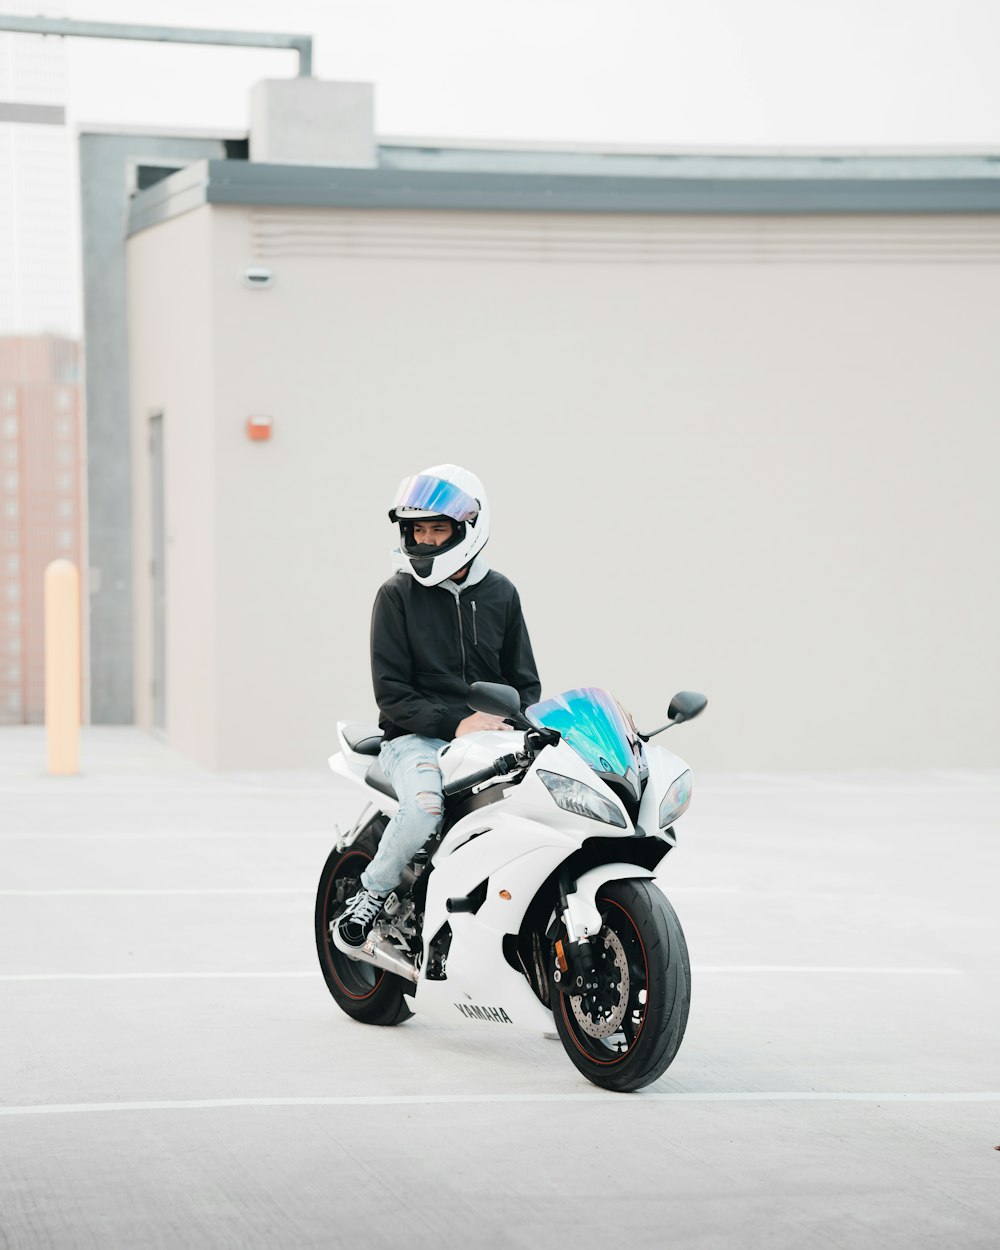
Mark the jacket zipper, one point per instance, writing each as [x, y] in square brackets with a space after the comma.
[461, 640]
[475, 636]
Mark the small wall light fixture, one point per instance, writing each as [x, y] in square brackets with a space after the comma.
[259, 429]
[257, 277]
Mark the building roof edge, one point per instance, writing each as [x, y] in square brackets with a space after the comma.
[670, 185]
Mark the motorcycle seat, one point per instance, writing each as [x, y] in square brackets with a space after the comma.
[377, 778]
[363, 739]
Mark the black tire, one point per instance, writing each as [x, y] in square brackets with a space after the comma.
[647, 1014]
[366, 993]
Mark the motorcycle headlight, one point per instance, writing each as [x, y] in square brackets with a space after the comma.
[676, 799]
[574, 796]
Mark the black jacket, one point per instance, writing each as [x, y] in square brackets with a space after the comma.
[428, 644]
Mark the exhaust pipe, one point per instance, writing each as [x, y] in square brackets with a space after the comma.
[379, 951]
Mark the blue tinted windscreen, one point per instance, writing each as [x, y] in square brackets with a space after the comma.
[597, 727]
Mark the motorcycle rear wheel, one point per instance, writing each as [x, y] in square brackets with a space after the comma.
[366, 993]
[626, 1035]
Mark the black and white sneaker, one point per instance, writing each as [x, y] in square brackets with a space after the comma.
[354, 926]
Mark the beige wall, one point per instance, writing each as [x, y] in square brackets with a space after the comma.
[171, 327]
[754, 457]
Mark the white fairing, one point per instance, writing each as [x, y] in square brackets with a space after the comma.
[513, 845]
[581, 904]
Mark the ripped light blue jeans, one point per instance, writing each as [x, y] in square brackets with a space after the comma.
[410, 763]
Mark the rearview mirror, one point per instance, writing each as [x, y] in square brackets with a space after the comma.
[685, 705]
[495, 699]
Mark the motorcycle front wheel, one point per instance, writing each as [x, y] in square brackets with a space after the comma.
[366, 993]
[625, 1034]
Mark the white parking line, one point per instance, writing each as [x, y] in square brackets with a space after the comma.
[209, 891]
[697, 970]
[824, 968]
[173, 834]
[420, 1100]
[153, 976]
[248, 890]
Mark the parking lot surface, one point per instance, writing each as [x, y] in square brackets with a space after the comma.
[175, 1073]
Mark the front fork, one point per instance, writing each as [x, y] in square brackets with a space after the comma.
[575, 971]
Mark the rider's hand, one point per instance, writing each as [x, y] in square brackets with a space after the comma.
[479, 721]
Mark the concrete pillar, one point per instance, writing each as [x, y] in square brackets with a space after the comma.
[305, 121]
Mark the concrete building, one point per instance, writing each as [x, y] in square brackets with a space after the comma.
[41, 505]
[736, 416]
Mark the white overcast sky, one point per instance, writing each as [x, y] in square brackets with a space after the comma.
[721, 73]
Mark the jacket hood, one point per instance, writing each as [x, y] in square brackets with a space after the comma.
[477, 571]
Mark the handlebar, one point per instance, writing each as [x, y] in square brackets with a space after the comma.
[500, 767]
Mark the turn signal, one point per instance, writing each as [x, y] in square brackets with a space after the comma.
[505, 894]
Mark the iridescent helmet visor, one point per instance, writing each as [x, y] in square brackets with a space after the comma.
[435, 496]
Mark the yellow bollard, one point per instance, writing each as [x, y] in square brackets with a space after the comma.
[62, 666]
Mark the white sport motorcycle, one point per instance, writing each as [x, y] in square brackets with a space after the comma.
[535, 902]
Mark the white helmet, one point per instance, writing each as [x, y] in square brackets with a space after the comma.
[444, 490]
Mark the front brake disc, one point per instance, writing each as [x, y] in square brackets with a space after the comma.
[613, 995]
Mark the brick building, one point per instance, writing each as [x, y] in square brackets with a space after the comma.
[41, 504]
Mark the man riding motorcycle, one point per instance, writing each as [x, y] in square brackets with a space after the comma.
[443, 620]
